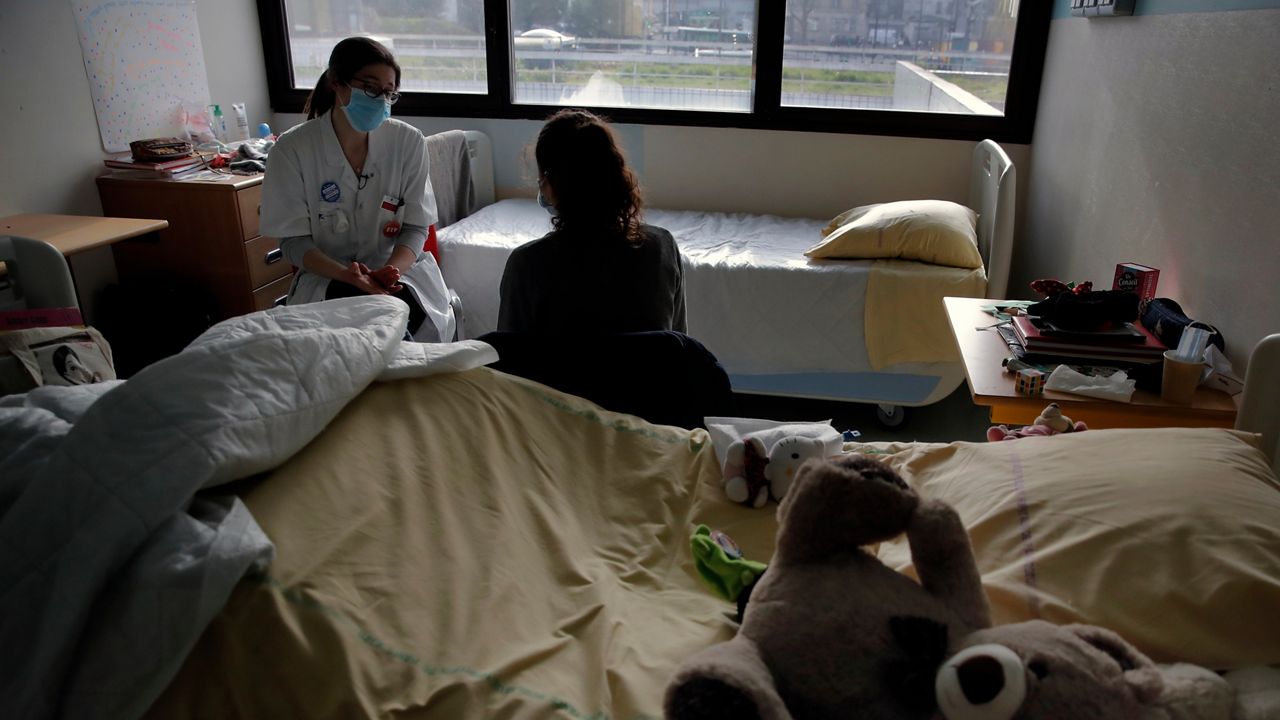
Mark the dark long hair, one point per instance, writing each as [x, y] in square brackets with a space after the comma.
[349, 57]
[594, 189]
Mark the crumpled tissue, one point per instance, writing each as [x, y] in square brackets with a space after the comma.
[1117, 386]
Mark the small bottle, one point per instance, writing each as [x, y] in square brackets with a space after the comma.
[264, 131]
[242, 121]
[218, 123]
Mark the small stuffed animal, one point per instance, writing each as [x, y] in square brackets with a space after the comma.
[1051, 421]
[831, 632]
[762, 465]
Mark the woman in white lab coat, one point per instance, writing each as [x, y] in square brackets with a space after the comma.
[348, 196]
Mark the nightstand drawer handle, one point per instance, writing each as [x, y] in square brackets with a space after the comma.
[273, 256]
[280, 300]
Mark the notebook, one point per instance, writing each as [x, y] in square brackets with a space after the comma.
[1123, 344]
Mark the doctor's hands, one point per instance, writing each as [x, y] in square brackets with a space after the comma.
[383, 281]
[388, 276]
[358, 275]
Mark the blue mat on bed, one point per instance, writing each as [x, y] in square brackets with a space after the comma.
[888, 388]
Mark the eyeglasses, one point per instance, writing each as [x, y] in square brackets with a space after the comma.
[374, 91]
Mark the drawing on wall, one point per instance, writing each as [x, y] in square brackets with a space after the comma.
[145, 65]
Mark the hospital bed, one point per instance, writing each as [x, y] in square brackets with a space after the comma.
[301, 516]
[779, 322]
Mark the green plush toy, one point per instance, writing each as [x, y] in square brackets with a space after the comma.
[721, 565]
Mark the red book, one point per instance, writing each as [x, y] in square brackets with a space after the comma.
[1105, 344]
[40, 317]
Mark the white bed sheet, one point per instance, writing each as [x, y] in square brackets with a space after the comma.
[778, 321]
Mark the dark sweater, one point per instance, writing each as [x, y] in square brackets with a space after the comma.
[570, 284]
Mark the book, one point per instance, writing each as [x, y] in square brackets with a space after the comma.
[1035, 339]
[1073, 358]
[189, 162]
[39, 317]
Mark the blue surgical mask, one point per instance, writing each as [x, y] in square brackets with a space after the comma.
[365, 113]
[542, 203]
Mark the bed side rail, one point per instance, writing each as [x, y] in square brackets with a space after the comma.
[1260, 408]
[993, 186]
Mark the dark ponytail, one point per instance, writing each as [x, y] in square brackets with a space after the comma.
[349, 57]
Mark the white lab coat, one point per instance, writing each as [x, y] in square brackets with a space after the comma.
[310, 189]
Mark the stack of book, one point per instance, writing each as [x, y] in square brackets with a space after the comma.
[1037, 340]
[164, 169]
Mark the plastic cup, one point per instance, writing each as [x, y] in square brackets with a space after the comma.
[1180, 378]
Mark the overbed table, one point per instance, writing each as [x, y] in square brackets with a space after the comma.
[983, 350]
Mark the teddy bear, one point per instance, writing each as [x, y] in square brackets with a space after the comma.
[1050, 421]
[831, 632]
[762, 464]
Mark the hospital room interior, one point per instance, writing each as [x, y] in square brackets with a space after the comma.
[1007, 264]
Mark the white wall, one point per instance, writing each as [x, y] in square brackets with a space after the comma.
[1156, 143]
[793, 174]
[51, 149]
[49, 142]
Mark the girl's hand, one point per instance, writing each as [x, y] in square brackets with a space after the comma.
[388, 277]
[358, 275]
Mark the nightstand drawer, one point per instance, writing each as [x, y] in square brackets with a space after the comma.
[266, 261]
[272, 294]
[250, 201]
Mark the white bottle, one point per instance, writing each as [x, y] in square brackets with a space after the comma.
[242, 121]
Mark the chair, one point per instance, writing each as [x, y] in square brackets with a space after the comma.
[33, 275]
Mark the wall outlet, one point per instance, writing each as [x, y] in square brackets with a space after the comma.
[1101, 8]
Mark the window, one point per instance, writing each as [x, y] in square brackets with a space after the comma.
[440, 45]
[945, 57]
[634, 54]
[963, 69]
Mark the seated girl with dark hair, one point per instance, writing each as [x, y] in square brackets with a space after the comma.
[596, 306]
[600, 270]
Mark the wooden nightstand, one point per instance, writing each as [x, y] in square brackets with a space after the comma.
[989, 385]
[212, 243]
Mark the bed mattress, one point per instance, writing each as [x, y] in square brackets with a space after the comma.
[779, 322]
[472, 545]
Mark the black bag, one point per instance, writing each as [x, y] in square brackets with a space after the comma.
[1087, 311]
[1165, 319]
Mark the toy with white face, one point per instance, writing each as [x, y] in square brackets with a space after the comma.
[786, 458]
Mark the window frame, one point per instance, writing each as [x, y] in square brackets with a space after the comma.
[1016, 125]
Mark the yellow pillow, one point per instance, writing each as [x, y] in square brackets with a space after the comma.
[1170, 537]
[932, 231]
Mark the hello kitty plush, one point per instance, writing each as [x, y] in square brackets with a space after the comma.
[763, 464]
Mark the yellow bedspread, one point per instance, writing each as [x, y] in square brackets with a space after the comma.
[905, 319]
[472, 546]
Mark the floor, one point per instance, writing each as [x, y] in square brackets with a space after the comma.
[955, 417]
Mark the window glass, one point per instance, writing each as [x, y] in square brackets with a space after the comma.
[670, 54]
[438, 43]
[949, 56]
